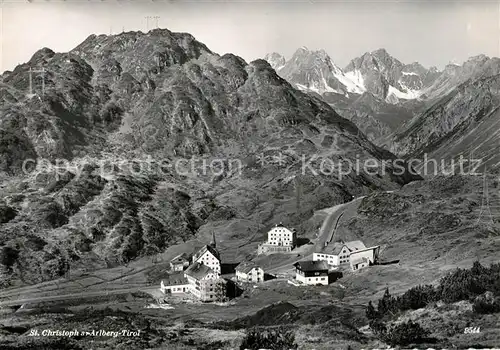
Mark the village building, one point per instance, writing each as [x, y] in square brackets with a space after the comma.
[175, 284]
[279, 240]
[364, 257]
[249, 272]
[311, 272]
[209, 256]
[201, 278]
[204, 282]
[338, 253]
[180, 262]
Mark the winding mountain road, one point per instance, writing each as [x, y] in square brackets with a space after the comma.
[325, 234]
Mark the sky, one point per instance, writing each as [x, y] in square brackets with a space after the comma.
[433, 33]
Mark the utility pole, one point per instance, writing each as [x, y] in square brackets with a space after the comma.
[147, 23]
[31, 71]
[156, 20]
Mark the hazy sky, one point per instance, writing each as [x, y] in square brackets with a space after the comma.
[433, 33]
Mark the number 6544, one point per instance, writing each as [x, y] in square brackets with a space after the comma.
[469, 330]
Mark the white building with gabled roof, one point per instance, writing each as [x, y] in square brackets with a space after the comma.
[249, 272]
[364, 257]
[338, 253]
[279, 239]
[203, 282]
[209, 256]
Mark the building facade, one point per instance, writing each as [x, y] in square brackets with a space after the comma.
[363, 258]
[205, 283]
[279, 239]
[311, 272]
[179, 263]
[209, 256]
[338, 253]
[175, 284]
[248, 272]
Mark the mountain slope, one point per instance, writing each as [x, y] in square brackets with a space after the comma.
[465, 122]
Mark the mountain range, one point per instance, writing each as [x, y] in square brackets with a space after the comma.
[407, 108]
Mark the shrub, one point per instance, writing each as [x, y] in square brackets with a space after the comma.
[486, 304]
[417, 297]
[467, 284]
[387, 304]
[371, 313]
[402, 334]
[277, 339]
[461, 284]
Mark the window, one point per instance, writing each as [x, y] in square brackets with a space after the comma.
[322, 278]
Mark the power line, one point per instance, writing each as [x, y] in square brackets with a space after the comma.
[155, 23]
[156, 18]
[485, 215]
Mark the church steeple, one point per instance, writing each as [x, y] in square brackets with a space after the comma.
[213, 243]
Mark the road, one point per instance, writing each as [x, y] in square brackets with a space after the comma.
[74, 296]
[325, 234]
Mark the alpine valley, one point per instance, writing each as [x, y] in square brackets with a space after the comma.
[103, 181]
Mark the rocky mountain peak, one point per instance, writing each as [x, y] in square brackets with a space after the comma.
[276, 60]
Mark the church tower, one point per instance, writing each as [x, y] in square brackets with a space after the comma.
[213, 243]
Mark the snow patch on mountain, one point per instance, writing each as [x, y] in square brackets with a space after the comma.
[408, 95]
[353, 81]
[318, 87]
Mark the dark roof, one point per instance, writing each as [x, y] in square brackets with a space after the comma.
[246, 266]
[309, 266]
[174, 279]
[180, 259]
[198, 271]
[203, 249]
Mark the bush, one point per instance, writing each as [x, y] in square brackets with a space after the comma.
[462, 284]
[486, 304]
[386, 305]
[402, 334]
[371, 313]
[467, 284]
[277, 339]
[417, 297]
